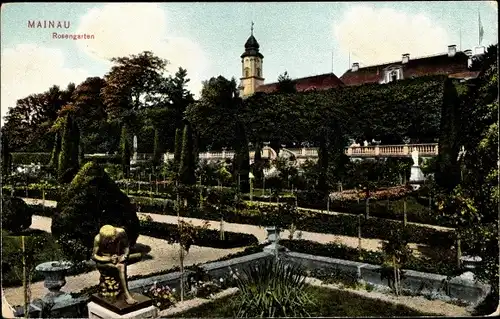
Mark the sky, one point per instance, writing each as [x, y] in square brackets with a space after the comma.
[207, 39]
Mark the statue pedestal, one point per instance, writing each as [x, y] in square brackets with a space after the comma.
[416, 177]
[102, 307]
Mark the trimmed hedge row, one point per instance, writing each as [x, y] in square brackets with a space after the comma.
[205, 238]
[28, 158]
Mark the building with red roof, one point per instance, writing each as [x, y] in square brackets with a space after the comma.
[453, 63]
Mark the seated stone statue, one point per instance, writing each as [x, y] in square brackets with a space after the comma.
[111, 252]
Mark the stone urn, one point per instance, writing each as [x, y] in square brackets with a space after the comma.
[469, 263]
[273, 233]
[54, 273]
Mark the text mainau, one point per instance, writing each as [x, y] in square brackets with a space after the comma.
[52, 24]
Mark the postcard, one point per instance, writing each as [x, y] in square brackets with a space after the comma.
[327, 159]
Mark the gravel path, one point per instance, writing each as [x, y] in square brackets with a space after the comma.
[164, 255]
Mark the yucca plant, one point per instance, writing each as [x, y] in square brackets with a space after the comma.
[273, 289]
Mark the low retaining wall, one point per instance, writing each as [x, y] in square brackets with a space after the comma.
[418, 283]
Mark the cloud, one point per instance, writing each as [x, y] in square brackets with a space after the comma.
[29, 69]
[125, 29]
[381, 35]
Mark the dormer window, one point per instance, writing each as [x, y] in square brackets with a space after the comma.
[393, 74]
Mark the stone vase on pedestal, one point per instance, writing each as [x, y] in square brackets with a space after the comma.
[54, 273]
[273, 234]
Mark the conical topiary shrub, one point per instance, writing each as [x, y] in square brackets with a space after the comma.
[16, 214]
[91, 201]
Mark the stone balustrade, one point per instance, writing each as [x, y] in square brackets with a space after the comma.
[402, 150]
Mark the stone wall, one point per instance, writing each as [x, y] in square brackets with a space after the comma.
[418, 283]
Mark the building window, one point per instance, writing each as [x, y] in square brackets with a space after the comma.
[247, 72]
[392, 75]
[258, 72]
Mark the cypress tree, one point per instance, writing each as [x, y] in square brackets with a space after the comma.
[196, 148]
[56, 150]
[6, 156]
[156, 149]
[257, 162]
[447, 170]
[242, 161]
[81, 155]
[187, 165]
[323, 161]
[66, 148]
[178, 148]
[125, 152]
[75, 146]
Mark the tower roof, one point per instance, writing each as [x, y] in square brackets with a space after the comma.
[252, 47]
[252, 43]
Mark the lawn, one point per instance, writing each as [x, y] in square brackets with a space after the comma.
[328, 303]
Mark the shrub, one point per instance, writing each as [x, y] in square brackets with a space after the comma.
[91, 201]
[274, 289]
[28, 158]
[205, 237]
[16, 214]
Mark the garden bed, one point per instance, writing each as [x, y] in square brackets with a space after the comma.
[346, 225]
[328, 303]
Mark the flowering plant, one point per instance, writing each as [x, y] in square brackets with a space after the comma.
[163, 297]
[204, 289]
[383, 193]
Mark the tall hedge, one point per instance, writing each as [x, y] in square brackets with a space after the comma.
[91, 201]
[187, 166]
[125, 152]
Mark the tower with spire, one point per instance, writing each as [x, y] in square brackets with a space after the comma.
[251, 67]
